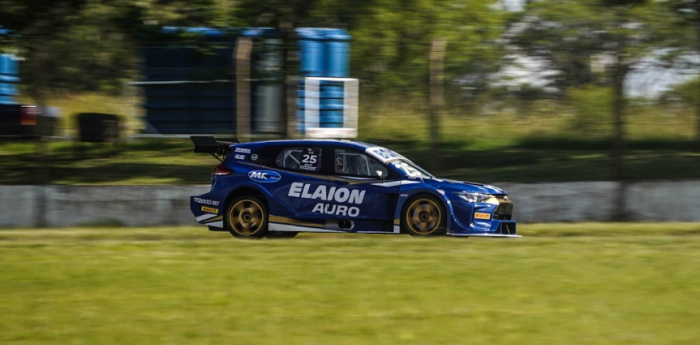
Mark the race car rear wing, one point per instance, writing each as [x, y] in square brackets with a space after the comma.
[219, 149]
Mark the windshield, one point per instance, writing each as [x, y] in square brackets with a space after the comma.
[410, 169]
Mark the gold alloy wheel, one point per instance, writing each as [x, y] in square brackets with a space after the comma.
[423, 217]
[246, 217]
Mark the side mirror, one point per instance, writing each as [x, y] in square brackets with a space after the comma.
[380, 174]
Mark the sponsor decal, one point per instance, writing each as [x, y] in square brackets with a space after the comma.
[210, 210]
[338, 210]
[340, 195]
[239, 156]
[206, 202]
[383, 154]
[480, 215]
[242, 150]
[254, 157]
[264, 176]
[407, 169]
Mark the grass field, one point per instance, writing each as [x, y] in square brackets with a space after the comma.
[560, 284]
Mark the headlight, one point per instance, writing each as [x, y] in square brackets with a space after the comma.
[473, 197]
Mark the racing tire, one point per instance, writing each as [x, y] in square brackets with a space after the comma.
[278, 235]
[424, 215]
[246, 217]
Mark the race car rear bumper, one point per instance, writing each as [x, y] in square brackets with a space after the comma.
[207, 210]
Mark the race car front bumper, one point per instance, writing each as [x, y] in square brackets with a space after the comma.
[498, 229]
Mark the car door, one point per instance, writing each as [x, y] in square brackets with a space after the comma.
[302, 184]
[358, 186]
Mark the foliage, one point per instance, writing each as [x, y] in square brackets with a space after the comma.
[394, 44]
[575, 35]
[685, 93]
[88, 45]
[592, 108]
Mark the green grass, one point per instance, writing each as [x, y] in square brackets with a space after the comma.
[143, 162]
[561, 284]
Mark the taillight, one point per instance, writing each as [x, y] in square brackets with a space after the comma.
[28, 116]
[222, 170]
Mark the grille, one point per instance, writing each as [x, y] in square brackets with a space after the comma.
[503, 211]
[507, 229]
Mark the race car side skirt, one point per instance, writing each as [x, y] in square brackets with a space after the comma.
[487, 235]
[289, 227]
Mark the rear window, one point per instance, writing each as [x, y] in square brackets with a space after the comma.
[300, 159]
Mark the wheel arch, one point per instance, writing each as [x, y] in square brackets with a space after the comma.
[246, 190]
[403, 201]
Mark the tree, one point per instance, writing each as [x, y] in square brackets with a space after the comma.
[286, 16]
[88, 45]
[622, 32]
[688, 12]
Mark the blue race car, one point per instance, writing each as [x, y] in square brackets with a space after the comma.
[279, 188]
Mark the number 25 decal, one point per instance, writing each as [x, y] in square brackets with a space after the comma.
[309, 159]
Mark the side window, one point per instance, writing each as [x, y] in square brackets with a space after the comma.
[300, 158]
[348, 162]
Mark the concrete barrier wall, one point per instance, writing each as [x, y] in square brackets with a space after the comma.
[61, 206]
[562, 202]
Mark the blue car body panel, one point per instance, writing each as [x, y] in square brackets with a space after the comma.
[325, 201]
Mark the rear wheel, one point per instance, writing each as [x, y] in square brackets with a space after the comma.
[246, 217]
[424, 215]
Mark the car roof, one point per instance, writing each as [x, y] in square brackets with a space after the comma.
[294, 142]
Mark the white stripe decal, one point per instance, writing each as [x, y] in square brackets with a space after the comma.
[397, 229]
[487, 235]
[205, 217]
[376, 232]
[219, 224]
[394, 183]
[287, 227]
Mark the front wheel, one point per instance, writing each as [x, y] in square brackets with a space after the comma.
[246, 217]
[424, 215]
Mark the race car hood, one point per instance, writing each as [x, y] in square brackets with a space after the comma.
[471, 187]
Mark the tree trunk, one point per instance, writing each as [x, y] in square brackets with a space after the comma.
[289, 86]
[42, 170]
[243, 50]
[287, 26]
[437, 101]
[697, 106]
[619, 172]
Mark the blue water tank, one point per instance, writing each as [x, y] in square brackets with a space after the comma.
[332, 104]
[8, 79]
[330, 100]
[311, 51]
[259, 32]
[337, 46]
